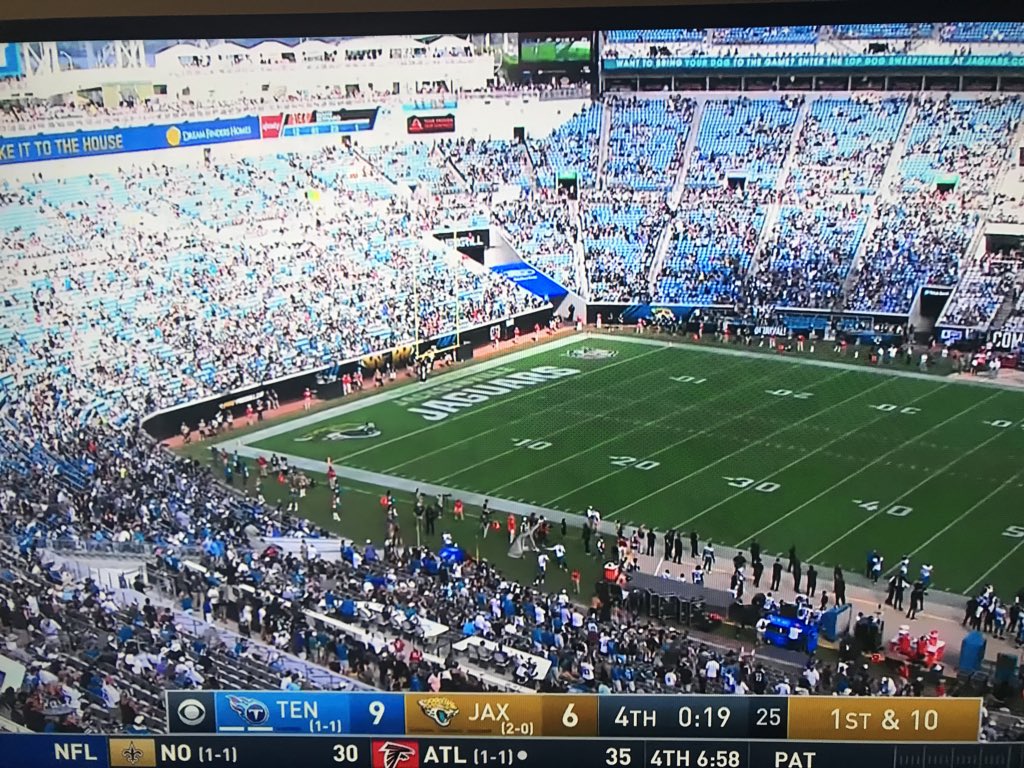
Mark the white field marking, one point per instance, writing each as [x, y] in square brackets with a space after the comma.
[405, 390]
[799, 459]
[639, 426]
[676, 444]
[546, 436]
[963, 515]
[747, 446]
[928, 478]
[875, 461]
[966, 381]
[995, 565]
[532, 390]
[822, 447]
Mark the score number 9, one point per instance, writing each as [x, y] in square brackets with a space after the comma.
[377, 711]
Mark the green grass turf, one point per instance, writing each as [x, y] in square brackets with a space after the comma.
[825, 469]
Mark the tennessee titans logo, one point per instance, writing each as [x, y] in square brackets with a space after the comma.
[439, 709]
[252, 711]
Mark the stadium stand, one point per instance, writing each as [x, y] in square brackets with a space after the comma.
[572, 147]
[764, 35]
[620, 231]
[983, 32]
[646, 141]
[713, 235]
[889, 31]
[960, 139]
[130, 309]
[488, 164]
[845, 144]
[982, 289]
[749, 137]
[920, 240]
[544, 232]
[807, 256]
[655, 35]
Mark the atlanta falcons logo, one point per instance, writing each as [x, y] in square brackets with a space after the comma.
[395, 754]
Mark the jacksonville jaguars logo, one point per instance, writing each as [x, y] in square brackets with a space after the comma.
[591, 353]
[341, 432]
[439, 709]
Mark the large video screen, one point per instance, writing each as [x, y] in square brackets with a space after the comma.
[646, 397]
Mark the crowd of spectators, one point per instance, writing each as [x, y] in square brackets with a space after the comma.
[845, 144]
[646, 141]
[714, 233]
[621, 230]
[248, 285]
[572, 148]
[921, 238]
[805, 259]
[544, 230]
[985, 285]
[826, 40]
[747, 137]
[962, 141]
[488, 164]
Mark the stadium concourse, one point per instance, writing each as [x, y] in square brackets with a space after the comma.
[149, 285]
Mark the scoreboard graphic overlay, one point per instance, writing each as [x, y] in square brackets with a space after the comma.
[813, 718]
[397, 730]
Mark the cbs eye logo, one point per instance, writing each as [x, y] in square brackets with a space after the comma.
[191, 712]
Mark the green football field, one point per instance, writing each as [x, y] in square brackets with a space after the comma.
[835, 459]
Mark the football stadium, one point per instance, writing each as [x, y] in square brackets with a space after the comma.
[609, 361]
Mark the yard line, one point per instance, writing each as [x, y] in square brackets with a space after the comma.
[971, 509]
[995, 565]
[913, 488]
[802, 457]
[744, 448]
[715, 427]
[676, 444]
[862, 469]
[613, 438]
[501, 401]
[505, 425]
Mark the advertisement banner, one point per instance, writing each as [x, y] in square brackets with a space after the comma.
[528, 278]
[1006, 341]
[425, 104]
[316, 123]
[817, 61]
[469, 242]
[420, 124]
[63, 146]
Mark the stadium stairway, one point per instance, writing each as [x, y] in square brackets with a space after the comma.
[1006, 308]
[676, 193]
[603, 141]
[885, 184]
[771, 216]
[660, 254]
